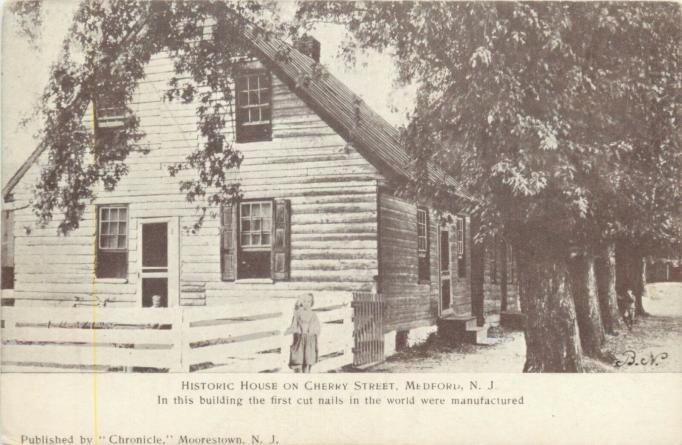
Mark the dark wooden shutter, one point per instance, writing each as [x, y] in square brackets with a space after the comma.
[281, 240]
[228, 242]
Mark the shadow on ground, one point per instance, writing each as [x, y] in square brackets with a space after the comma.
[653, 345]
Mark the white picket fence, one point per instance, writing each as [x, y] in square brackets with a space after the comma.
[245, 337]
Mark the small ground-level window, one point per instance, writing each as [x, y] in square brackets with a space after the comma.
[112, 241]
[423, 245]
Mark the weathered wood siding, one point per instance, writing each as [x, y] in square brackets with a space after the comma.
[331, 187]
[408, 303]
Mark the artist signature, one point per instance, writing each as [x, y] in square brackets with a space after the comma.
[629, 358]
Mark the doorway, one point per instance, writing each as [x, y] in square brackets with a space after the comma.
[158, 263]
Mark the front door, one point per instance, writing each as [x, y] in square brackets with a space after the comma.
[158, 262]
[445, 277]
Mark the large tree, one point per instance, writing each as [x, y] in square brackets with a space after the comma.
[554, 114]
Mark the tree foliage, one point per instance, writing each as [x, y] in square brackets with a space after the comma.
[102, 60]
[562, 117]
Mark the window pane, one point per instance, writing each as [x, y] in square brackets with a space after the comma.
[256, 225]
[113, 213]
[246, 239]
[242, 83]
[121, 228]
[246, 209]
[253, 98]
[121, 242]
[267, 210]
[265, 113]
[256, 239]
[122, 214]
[266, 225]
[243, 115]
[266, 239]
[105, 215]
[243, 98]
[246, 225]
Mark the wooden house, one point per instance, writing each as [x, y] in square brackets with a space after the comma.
[320, 212]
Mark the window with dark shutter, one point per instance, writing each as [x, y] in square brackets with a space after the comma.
[254, 120]
[112, 241]
[228, 243]
[281, 243]
[424, 270]
[255, 240]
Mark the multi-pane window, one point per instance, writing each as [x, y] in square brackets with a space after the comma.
[459, 228]
[255, 225]
[256, 240]
[423, 244]
[461, 257]
[112, 242]
[254, 107]
[110, 116]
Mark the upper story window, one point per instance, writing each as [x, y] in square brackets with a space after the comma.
[110, 116]
[254, 105]
[110, 112]
[112, 241]
[423, 244]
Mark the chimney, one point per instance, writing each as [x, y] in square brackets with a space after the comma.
[309, 46]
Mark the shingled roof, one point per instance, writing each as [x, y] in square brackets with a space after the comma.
[376, 139]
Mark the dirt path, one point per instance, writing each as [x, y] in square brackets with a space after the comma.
[653, 345]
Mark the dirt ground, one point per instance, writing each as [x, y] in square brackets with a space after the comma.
[653, 345]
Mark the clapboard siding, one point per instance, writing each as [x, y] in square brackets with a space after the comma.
[332, 190]
[408, 303]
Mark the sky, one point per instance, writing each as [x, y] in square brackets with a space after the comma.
[25, 72]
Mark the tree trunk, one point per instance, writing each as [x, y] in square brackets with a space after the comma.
[605, 271]
[477, 273]
[629, 274]
[639, 284]
[584, 290]
[552, 339]
[504, 293]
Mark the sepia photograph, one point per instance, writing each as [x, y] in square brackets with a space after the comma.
[341, 187]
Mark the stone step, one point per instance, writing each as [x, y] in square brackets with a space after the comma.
[462, 322]
[478, 335]
[515, 320]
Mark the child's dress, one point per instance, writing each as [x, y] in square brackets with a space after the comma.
[306, 328]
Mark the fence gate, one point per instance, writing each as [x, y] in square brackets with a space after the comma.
[368, 331]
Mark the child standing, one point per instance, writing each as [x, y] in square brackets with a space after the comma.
[306, 328]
